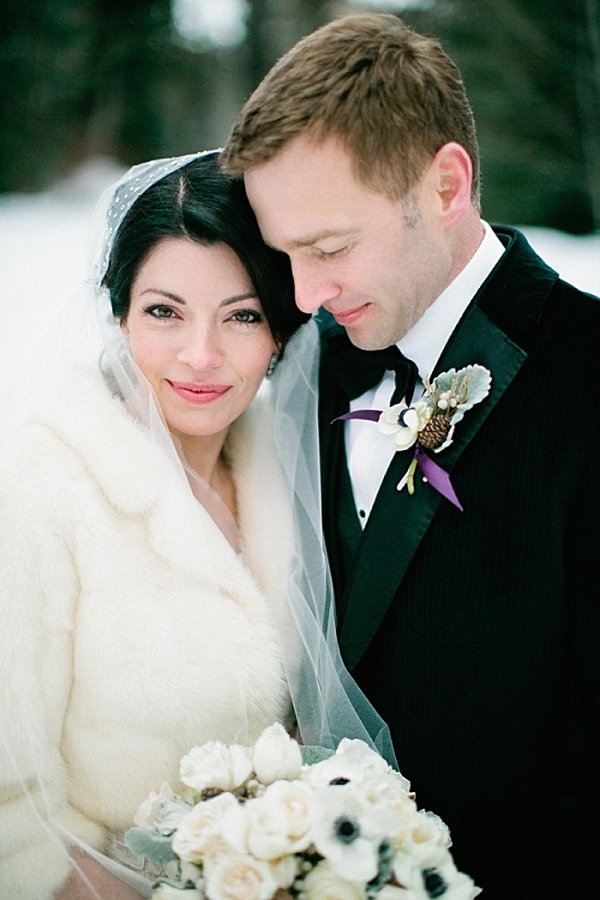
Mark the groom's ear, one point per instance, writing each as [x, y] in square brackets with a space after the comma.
[451, 171]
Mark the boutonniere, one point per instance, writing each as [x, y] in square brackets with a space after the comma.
[430, 422]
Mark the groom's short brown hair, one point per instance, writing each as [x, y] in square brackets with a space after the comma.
[392, 96]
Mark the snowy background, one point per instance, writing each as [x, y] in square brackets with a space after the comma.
[45, 247]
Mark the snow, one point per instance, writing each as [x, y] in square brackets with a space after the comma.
[45, 247]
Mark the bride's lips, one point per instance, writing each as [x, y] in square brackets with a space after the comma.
[349, 316]
[199, 394]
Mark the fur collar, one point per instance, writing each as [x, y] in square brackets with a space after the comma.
[136, 476]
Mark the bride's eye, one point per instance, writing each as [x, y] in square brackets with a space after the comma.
[160, 311]
[247, 316]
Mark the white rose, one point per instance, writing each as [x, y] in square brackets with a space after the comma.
[240, 877]
[405, 807]
[285, 870]
[276, 755]
[215, 765]
[322, 883]
[426, 837]
[149, 810]
[166, 892]
[200, 833]
[279, 823]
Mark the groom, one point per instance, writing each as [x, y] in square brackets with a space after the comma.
[467, 608]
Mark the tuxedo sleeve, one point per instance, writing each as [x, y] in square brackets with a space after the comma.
[559, 860]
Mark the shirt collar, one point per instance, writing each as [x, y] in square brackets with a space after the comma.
[428, 337]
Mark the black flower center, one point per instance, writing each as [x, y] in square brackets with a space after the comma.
[434, 883]
[346, 830]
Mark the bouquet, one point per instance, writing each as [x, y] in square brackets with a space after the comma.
[281, 821]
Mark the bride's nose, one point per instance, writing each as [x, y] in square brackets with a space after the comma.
[200, 348]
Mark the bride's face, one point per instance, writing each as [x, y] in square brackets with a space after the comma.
[197, 332]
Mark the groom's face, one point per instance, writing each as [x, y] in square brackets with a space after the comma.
[373, 262]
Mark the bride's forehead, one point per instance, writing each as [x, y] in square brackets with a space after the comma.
[193, 271]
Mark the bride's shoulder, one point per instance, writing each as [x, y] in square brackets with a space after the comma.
[72, 407]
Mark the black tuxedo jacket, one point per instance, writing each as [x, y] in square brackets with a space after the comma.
[476, 634]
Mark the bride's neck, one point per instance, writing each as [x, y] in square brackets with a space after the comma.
[207, 458]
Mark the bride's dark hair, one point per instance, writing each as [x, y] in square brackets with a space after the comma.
[201, 203]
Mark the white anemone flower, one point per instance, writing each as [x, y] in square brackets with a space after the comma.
[356, 762]
[405, 422]
[435, 877]
[348, 831]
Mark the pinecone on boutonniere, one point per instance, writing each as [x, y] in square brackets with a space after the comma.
[430, 422]
[435, 432]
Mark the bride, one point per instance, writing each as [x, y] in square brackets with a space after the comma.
[163, 580]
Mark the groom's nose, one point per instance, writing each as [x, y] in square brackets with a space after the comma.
[313, 288]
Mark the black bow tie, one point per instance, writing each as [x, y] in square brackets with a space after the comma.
[360, 370]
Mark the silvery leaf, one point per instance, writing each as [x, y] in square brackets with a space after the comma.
[477, 380]
[171, 814]
[312, 754]
[443, 381]
[149, 843]
[480, 381]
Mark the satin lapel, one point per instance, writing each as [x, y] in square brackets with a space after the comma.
[399, 521]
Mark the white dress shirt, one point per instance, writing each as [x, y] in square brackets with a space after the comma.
[368, 451]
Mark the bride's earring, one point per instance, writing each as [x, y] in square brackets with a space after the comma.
[272, 364]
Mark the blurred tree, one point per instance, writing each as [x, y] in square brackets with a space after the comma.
[82, 78]
[276, 25]
[532, 70]
[113, 77]
[78, 79]
[43, 46]
[589, 101]
[130, 39]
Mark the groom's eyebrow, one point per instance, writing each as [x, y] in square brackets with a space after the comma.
[316, 236]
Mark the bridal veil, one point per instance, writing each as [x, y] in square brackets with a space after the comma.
[328, 705]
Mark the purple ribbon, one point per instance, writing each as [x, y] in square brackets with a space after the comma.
[371, 414]
[435, 475]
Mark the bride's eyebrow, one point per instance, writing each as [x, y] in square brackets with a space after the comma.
[239, 298]
[175, 298]
[168, 294]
